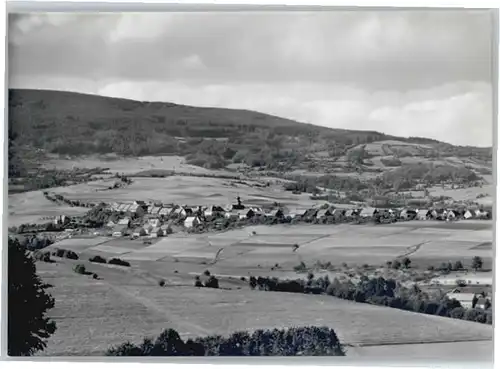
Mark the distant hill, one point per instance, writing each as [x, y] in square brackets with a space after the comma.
[79, 124]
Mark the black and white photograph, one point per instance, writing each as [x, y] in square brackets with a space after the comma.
[285, 183]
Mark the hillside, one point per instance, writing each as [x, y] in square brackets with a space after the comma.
[73, 124]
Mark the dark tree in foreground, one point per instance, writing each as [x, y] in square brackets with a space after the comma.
[28, 327]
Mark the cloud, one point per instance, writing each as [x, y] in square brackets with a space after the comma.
[425, 73]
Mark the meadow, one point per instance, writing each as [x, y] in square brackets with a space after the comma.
[93, 314]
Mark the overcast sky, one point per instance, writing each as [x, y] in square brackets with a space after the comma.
[408, 73]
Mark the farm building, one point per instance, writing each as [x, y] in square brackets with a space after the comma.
[192, 222]
[465, 299]
[138, 232]
[156, 232]
[423, 214]
[213, 211]
[368, 212]
[119, 231]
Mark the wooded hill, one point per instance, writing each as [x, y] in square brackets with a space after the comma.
[79, 124]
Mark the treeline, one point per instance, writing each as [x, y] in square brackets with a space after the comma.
[376, 291]
[302, 341]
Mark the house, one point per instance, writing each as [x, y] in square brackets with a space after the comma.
[147, 228]
[124, 222]
[482, 214]
[192, 222]
[150, 209]
[155, 222]
[468, 214]
[274, 213]
[451, 215]
[297, 213]
[348, 213]
[408, 214]
[368, 212]
[337, 214]
[165, 211]
[232, 215]
[156, 232]
[138, 232]
[465, 299]
[323, 213]
[482, 303]
[138, 208]
[423, 214]
[115, 206]
[111, 224]
[119, 231]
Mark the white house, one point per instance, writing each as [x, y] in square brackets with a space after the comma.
[468, 214]
[165, 212]
[191, 222]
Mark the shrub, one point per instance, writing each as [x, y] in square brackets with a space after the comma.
[197, 282]
[303, 341]
[212, 282]
[243, 279]
[301, 267]
[206, 272]
[161, 282]
[95, 276]
[117, 261]
[97, 259]
[71, 255]
[42, 256]
[80, 269]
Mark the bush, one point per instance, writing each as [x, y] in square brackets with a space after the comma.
[80, 269]
[71, 255]
[42, 256]
[161, 282]
[197, 282]
[117, 261]
[302, 341]
[243, 279]
[212, 282]
[95, 276]
[206, 272]
[97, 259]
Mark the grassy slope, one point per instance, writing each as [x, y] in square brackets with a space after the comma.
[94, 314]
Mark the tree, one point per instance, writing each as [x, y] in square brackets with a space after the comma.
[477, 263]
[28, 327]
[406, 262]
[458, 265]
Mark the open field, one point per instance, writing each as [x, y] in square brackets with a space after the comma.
[241, 252]
[187, 190]
[31, 207]
[93, 314]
